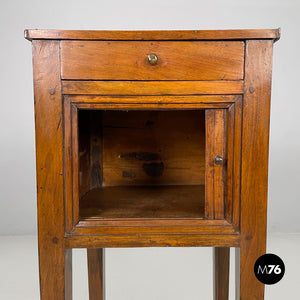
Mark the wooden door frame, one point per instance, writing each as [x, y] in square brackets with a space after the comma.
[229, 224]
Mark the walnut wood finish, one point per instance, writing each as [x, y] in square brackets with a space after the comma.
[125, 226]
[96, 271]
[160, 100]
[221, 272]
[152, 87]
[255, 150]
[247, 34]
[208, 94]
[54, 260]
[143, 202]
[68, 184]
[151, 106]
[233, 165]
[152, 240]
[133, 160]
[153, 148]
[214, 174]
[176, 60]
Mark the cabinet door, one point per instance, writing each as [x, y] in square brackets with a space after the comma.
[215, 163]
[156, 162]
[222, 162]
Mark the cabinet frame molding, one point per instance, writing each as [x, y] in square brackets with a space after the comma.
[227, 219]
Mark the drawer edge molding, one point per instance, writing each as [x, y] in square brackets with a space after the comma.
[152, 88]
[160, 100]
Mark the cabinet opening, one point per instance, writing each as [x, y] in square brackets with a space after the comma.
[141, 164]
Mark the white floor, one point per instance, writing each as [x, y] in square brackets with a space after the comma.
[141, 274]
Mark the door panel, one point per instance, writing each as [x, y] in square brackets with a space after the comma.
[215, 158]
[214, 130]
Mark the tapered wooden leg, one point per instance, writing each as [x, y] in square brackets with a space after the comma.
[247, 285]
[221, 272]
[96, 274]
[254, 174]
[55, 268]
[55, 263]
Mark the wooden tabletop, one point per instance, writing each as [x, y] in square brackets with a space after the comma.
[243, 34]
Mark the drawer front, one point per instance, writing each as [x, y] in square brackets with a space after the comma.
[123, 60]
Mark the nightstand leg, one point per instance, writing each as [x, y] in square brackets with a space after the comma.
[55, 268]
[254, 174]
[96, 273]
[221, 272]
[55, 262]
[247, 285]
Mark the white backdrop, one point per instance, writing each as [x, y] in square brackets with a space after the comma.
[17, 152]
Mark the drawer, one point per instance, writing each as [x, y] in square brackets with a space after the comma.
[129, 60]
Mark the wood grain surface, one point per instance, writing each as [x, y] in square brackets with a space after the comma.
[122, 60]
[55, 274]
[144, 202]
[115, 87]
[96, 271]
[137, 226]
[221, 256]
[125, 149]
[152, 240]
[215, 126]
[160, 100]
[153, 148]
[239, 34]
[255, 150]
[237, 162]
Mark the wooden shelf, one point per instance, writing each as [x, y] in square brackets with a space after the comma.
[144, 202]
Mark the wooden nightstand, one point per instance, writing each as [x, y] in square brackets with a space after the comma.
[151, 139]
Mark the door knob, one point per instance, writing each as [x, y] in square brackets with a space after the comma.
[152, 59]
[219, 159]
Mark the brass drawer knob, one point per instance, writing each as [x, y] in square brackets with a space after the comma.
[219, 159]
[152, 59]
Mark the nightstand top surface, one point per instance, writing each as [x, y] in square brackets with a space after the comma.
[237, 34]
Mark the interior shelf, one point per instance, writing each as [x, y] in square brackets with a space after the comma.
[185, 201]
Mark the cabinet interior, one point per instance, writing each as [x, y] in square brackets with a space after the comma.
[141, 164]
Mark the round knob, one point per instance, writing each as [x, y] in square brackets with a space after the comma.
[152, 59]
[219, 159]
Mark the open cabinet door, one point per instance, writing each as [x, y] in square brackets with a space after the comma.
[215, 163]
[223, 163]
